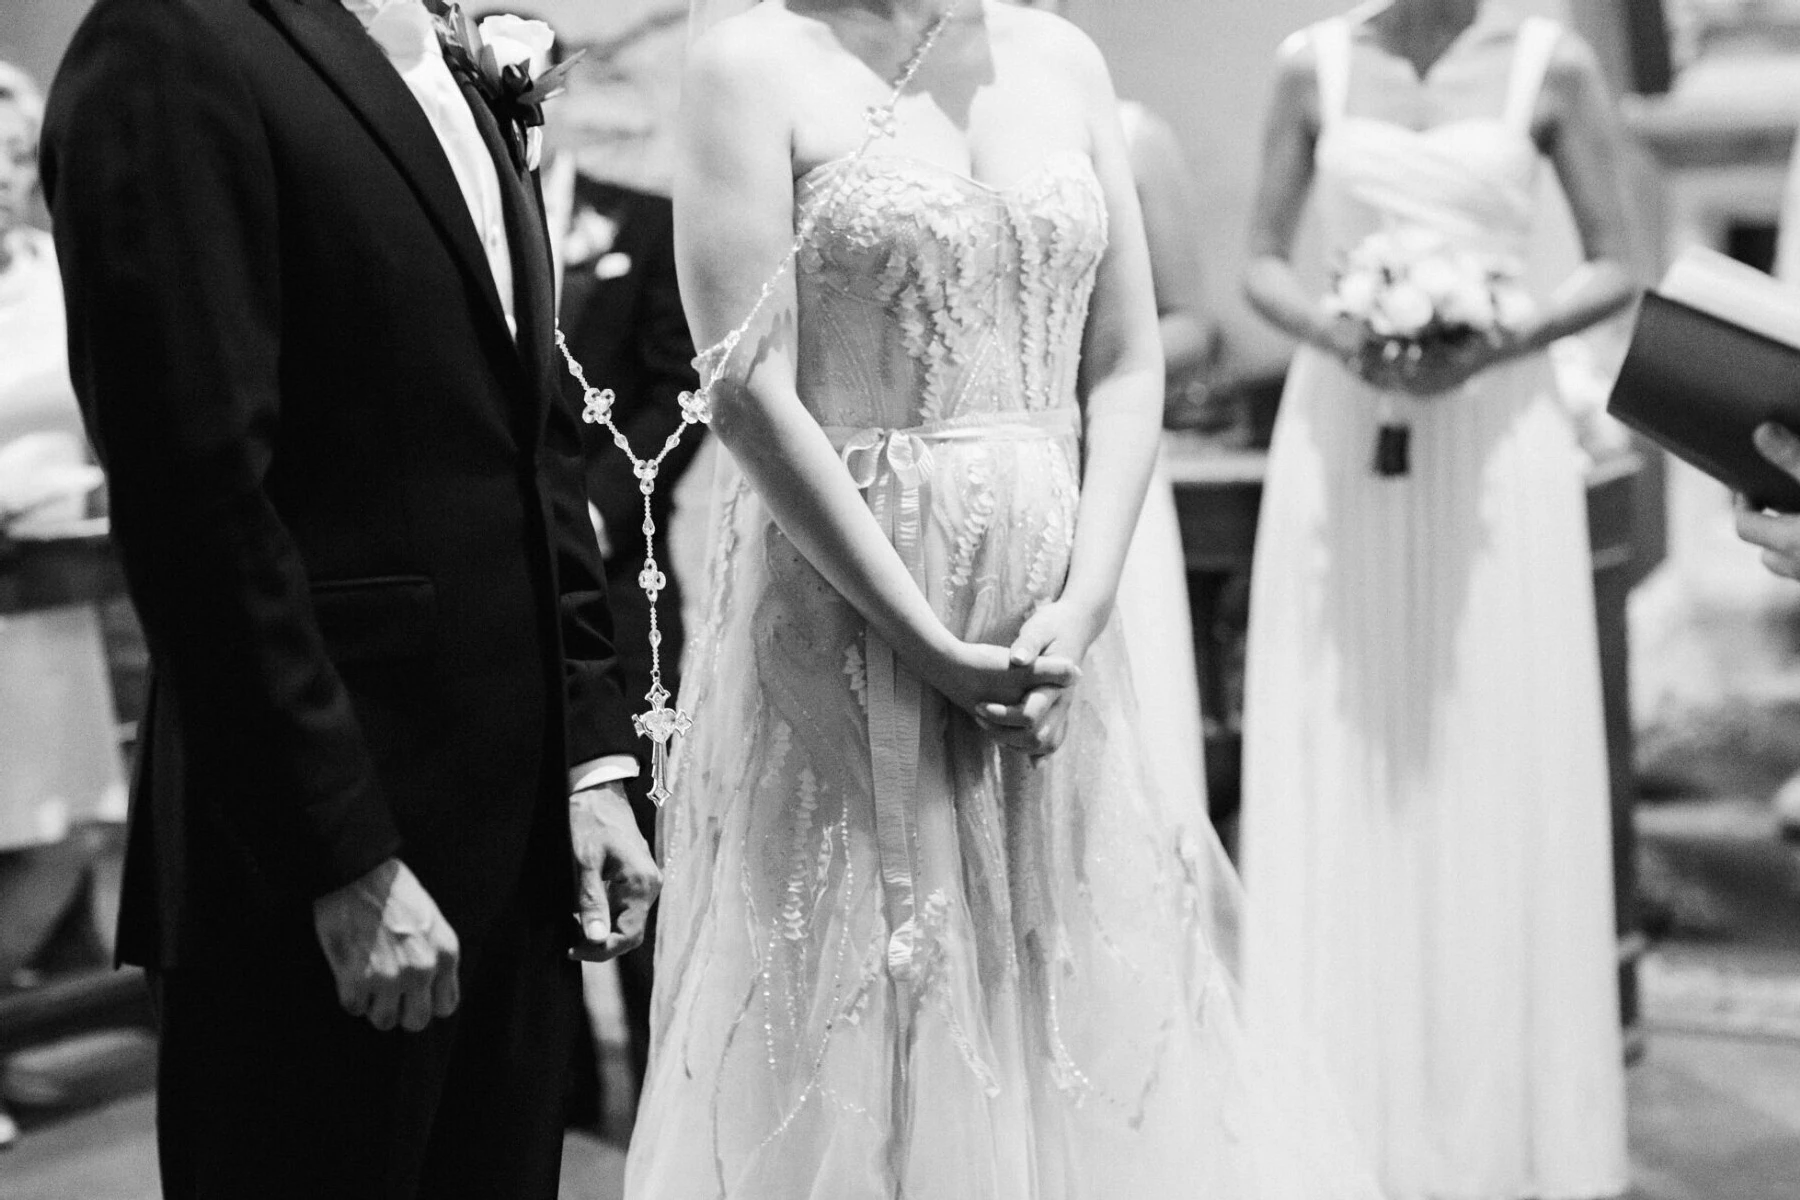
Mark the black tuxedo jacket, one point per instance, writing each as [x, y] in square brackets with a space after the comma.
[349, 503]
[627, 328]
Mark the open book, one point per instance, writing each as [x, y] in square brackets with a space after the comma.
[1716, 353]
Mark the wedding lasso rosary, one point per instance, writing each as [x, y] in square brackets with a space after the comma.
[662, 723]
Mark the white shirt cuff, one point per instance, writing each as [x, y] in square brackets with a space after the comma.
[607, 769]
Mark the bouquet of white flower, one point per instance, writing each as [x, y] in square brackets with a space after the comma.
[1414, 293]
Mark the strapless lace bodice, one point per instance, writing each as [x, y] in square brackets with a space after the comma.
[928, 296]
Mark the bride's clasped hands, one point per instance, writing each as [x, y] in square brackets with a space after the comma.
[1057, 633]
[1017, 693]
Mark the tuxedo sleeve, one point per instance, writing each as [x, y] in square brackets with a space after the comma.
[659, 336]
[599, 721]
[165, 207]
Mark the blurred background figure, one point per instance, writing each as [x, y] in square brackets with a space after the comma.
[1153, 596]
[59, 763]
[1426, 818]
[621, 313]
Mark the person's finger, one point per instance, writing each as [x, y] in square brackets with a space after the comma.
[1038, 705]
[416, 1005]
[349, 988]
[631, 914]
[605, 951]
[1782, 564]
[1768, 530]
[1034, 638]
[446, 989]
[631, 898]
[384, 1007]
[1779, 445]
[446, 983]
[1023, 740]
[592, 909]
[1003, 716]
[1053, 670]
[355, 999]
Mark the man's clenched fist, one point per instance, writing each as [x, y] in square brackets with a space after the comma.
[394, 955]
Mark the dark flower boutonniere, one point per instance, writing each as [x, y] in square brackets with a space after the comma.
[506, 59]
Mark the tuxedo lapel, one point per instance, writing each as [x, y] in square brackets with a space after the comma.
[335, 43]
[534, 275]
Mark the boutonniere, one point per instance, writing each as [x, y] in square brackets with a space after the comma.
[507, 60]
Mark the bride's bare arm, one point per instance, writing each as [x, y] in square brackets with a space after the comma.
[1122, 365]
[1121, 390]
[734, 215]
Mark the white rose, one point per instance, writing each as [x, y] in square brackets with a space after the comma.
[1470, 306]
[1513, 306]
[1403, 311]
[518, 42]
[1371, 254]
[1439, 278]
[1354, 295]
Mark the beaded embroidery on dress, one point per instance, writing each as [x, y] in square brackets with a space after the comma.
[896, 960]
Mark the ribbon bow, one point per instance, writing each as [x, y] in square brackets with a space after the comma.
[901, 451]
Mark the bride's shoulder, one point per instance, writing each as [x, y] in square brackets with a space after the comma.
[1043, 34]
[750, 48]
[1050, 39]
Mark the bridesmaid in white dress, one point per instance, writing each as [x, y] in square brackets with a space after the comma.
[1426, 809]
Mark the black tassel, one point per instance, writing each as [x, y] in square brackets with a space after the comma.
[1393, 450]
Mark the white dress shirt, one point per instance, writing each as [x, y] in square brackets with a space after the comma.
[403, 30]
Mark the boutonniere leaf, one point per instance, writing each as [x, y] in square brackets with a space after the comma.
[506, 60]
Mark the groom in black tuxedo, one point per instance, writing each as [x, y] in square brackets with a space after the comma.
[381, 775]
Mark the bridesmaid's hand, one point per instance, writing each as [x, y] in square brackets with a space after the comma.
[1444, 370]
[1038, 723]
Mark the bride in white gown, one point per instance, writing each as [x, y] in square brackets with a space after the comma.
[1426, 837]
[929, 927]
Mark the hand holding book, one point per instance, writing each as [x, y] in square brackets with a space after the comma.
[1777, 534]
[1715, 357]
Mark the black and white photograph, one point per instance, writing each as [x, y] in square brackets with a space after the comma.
[900, 600]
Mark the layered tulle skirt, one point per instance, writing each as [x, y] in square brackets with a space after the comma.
[896, 960]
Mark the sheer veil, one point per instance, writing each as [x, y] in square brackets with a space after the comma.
[704, 14]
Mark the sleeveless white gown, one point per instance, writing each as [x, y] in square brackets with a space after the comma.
[896, 961]
[1426, 833]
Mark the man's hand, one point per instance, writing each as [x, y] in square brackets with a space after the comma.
[1778, 534]
[616, 876]
[392, 952]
